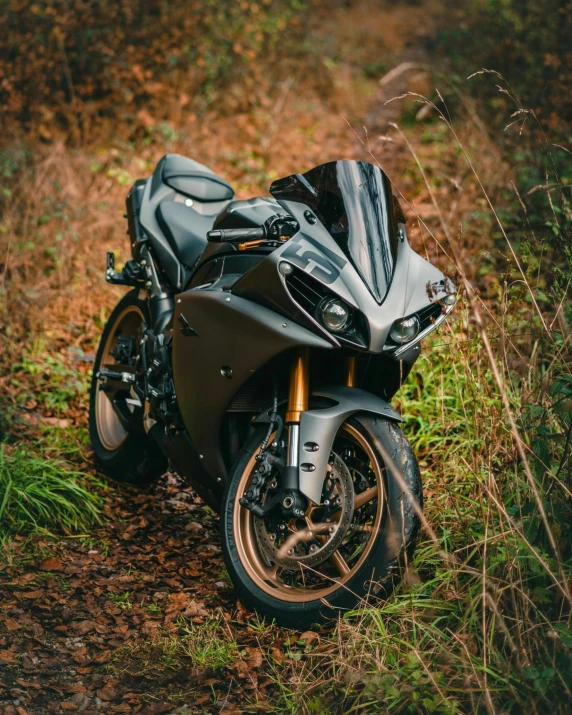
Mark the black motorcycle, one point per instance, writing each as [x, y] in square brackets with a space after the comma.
[257, 353]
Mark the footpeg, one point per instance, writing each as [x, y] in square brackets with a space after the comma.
[131, 275]
[126, 377]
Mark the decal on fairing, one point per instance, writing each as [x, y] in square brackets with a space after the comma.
[316, 264]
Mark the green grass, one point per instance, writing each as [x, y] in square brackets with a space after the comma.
[39, 495]
[207, 646]
[122, 600]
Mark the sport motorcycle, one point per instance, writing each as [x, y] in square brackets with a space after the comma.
[256, 354]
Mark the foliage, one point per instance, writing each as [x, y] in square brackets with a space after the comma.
[527, 42]
[39, 495]
[70, 62]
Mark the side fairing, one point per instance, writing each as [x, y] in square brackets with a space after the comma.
[219, 341]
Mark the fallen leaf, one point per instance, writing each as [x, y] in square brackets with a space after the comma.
[83, 627]
[241, 668]
[6, 656]
[177, 601]
[55, 422]
[104, 657]
[308, 637]
[193, 526]
[51, 564]
[28, 683]
[195, 608]
[106, 694]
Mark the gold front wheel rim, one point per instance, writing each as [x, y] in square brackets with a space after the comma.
[337, 570]
[110, 430]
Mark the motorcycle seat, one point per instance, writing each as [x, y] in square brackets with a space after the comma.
[195, 180]
[185, 229]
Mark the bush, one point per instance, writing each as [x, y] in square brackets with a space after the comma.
[71, 61]
[527, 41]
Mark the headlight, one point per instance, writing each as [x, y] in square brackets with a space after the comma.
[335, 315]
[403, 331]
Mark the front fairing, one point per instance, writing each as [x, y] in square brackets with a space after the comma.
[416, 283]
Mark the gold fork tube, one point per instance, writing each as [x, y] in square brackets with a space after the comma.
[351, 371]
[299, 386]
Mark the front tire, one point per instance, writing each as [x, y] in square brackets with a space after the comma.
[367, 562]
[127, 455]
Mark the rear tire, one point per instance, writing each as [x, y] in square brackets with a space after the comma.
[371, 576]
[134, 457]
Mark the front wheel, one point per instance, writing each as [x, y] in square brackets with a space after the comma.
[345, 550]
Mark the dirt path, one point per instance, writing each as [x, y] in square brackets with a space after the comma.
[90, 625]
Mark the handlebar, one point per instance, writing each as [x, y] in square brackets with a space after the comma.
[276, 228]
[236, 234]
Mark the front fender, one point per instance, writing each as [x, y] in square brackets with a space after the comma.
[318, 427]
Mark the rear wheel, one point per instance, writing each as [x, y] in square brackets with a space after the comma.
[120, 444]
[343, 551]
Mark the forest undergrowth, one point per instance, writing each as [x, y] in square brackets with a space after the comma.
[117, 601]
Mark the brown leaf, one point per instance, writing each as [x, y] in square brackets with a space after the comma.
[28, 683]
[106, 694]
[11, 624]
[241, 668]
[193, 526]
[177, 601]
[195, 608]
[255, 657]
[83, 627]
[308, 636]
[55, 422]
[51, 564]
[277, 654]
[32, 594]
[103, 657]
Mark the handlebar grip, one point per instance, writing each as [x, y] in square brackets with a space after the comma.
[236, 234]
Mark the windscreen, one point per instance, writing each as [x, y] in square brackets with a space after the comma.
[353, 200]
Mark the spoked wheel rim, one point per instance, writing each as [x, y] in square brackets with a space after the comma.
[309, 581]
[110, 428]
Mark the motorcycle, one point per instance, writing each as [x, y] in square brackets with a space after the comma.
[256, 355]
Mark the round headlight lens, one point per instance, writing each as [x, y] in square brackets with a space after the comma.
[403, 331]
[335, 315]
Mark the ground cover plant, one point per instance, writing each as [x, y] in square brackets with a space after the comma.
[115, 600]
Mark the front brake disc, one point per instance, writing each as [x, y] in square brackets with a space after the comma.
[308, 543]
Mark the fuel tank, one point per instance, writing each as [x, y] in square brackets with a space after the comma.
[249, 213]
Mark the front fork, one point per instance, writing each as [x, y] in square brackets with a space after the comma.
[298, 396]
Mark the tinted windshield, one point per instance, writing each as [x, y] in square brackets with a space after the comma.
[353, 200]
